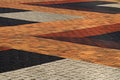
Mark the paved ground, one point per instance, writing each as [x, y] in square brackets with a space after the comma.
[64, 70]
[35, 34]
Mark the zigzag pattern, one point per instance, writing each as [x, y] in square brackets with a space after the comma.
[77, 29]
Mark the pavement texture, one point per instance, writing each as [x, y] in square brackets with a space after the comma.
[65, 69]
[59, 40]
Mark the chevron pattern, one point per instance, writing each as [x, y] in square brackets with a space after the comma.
[86, 30]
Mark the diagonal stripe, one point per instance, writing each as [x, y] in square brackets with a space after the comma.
[85, 32]
[64, 70]
[17, 59]
[13, 22]
[58, 2]
[85, 6]
[38, 16]
[10, 10]
[110, 40]
[93, 54]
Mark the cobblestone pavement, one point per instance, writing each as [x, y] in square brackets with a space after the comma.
[34, 34]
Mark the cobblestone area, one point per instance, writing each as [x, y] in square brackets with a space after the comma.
[64, 70]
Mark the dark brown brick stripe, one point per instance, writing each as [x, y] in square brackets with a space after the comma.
[86, 32]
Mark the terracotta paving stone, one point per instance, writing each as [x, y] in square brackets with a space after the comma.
[34, 37]
[2, 48]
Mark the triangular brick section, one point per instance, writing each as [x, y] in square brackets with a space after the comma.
[105, 36]
[80, 33]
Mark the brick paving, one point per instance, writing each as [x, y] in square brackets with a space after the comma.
[87, 31]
